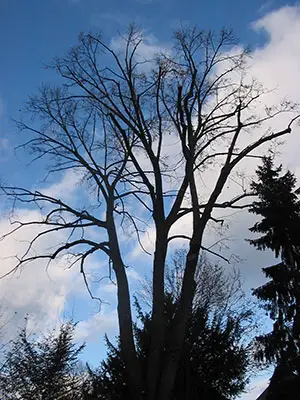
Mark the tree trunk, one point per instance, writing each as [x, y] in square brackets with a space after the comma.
[179, 323]
[158, 322]
[128, 351]
[180, 320]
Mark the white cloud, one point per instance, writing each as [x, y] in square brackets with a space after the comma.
[105, 321]
[5, 149]
[111, 17]
[36, 291]
[281, 25]
[66, 187]
[110, 288]
[4, 143]
[147, 50]
[97, 326]
[276, 64]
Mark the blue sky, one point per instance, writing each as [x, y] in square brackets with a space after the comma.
[32, 32]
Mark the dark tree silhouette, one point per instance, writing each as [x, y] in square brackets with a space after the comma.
[216, 358]
[110, 122]
[279, 206]
[213, 364]
[42, 369]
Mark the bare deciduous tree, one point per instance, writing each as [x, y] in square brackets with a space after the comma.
[110, 122]
[218, 292]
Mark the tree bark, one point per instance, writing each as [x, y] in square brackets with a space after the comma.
[158, 322]
[128, 351]
[179, 323]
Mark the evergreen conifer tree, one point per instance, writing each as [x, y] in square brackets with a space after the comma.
[279, 206]
[45, 368]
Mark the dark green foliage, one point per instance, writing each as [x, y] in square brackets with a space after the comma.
[279, 207]
[285, 384]
[107, 382]
[213, 360]
[42, 369]
[213, 364]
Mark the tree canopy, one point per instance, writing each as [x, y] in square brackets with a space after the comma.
[111, 121]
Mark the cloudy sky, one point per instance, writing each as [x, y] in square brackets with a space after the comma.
[32, 32]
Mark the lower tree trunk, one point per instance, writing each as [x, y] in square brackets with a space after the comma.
[179, 324]
[158, 323]
[132, 368]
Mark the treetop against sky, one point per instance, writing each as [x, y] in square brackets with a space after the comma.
[32, 34]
